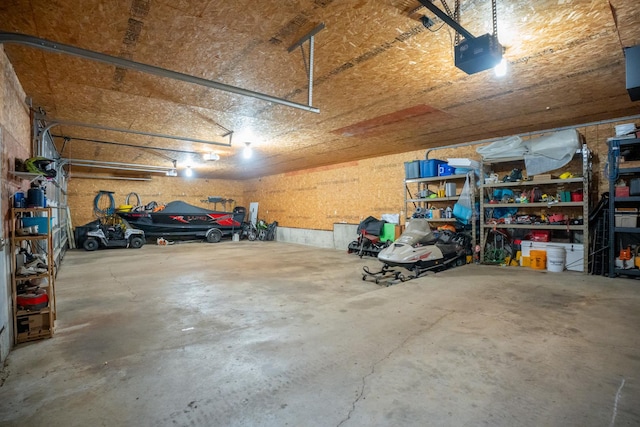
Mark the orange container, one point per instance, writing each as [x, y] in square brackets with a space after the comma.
[538, 259]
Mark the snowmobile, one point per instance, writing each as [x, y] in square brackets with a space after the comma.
[420, 249]
[369, 242]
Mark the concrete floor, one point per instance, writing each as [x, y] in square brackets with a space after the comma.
[271, 334]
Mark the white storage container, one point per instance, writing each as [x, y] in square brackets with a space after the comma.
[574, 260]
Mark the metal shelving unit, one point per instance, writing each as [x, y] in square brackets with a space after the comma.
[581, 208]
[615, 233]
[420, 184]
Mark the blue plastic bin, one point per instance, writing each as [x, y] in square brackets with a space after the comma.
[429, 168]
[412, 169]
[445, 170]
[40, 221]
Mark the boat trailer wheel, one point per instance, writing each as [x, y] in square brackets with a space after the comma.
[214, 235]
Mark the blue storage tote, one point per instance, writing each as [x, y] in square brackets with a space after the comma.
[429, 168]
[445, 170]
[412, 169]
[40, 221]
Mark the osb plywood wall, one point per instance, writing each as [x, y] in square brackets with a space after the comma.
[14, 132]
[312, 198]
[82, 192]
[350, 192]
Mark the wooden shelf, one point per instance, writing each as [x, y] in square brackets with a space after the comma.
[32, 276]
[31, 325]
[24, 313]
[32, 237]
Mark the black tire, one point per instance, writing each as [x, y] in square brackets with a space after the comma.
[214, 235]
[252, 235]
[91, 244]
[136, 242]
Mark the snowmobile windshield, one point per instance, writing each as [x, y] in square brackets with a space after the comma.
[417, 232]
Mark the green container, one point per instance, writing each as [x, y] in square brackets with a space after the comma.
[388, 232]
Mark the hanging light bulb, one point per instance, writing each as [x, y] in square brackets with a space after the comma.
[247, 152]
[188, 172]
[501, 68]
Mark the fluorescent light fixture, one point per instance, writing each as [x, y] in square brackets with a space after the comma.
[501, 68]
[211, 157]
[172, 172]
[247, 152]
[188, 172]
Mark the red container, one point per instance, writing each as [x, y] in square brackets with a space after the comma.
[540, 235]
[576, 196]
[32, 301]
[622, 191]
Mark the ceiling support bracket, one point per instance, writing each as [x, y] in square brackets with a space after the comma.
[447, 19]
[50, 46]
[311, 37]
[54, 123]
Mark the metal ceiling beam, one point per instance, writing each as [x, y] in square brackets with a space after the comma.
[123, 178]
[311, 37]
[122, 144]
[88, 163]
[50, 46]
[447, 19]
[53, 123]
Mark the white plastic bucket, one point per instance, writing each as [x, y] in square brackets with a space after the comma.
[555, 258]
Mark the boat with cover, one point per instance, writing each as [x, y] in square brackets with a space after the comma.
[179, 219]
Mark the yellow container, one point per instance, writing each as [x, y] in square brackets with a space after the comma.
[526, 261]
[538, 259]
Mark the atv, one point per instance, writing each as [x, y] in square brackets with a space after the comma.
[112, 235]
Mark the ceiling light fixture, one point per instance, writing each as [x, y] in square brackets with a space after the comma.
[501, 68]
[188, 172]
[211, 157]
[247, 152]
[473, 54]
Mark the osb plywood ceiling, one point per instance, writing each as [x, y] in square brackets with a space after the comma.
[382, 81]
